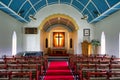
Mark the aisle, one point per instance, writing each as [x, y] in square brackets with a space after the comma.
[58, 70]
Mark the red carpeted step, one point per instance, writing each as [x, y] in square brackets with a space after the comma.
[58, 70]
[59, 77]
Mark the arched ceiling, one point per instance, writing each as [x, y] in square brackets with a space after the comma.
[96, 10]
[60, 20]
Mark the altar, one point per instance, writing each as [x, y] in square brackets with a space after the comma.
[58, 51]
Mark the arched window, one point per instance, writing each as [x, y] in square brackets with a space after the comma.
[14, 43]
[71, 43]
[46, 43]
[119, 44]
[103, 43]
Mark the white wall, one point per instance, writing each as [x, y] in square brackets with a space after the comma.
[7, 26]
[60, 9]
[32, 42]
[111, 27]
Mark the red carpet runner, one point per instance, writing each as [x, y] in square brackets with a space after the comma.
[58, 70]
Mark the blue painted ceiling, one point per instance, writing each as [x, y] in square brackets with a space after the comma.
[96, 10]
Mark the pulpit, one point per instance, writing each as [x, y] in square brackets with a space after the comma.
[86, 48]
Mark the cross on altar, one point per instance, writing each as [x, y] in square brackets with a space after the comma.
[59, 36]
[58, 39]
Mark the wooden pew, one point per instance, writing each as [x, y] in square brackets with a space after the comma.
[96, 66]
[21, 76]
[114, 75]
[114, 67]
[5, 75]
[14, 64]
[97, 76]
[3, 68]
[102, 67]
[115, 60]
[34, 68]
[101, 64]
[84, 68]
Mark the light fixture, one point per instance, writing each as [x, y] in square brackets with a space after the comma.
[21, 12]
[32, 17]
[96, 13]
[84, 17]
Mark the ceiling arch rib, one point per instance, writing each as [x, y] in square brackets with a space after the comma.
[37, 3]
[11, 12]
[107, 3]
[32, 6]
[96, 7]
[86, 7]
[83, 7]
[46, 2]
[10, 3]
[79, 6]
[21, 7]
[58, 1]
[71, 2]
[107, 13]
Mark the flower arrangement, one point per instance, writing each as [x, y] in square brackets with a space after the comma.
[95, 42]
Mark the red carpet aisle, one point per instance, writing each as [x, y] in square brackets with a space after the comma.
[58, 70]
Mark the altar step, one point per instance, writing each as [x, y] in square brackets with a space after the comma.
[59, 54]
[57, 58]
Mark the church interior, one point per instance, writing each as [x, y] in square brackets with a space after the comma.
[59, 40]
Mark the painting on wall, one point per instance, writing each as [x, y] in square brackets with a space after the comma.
[86, 32]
